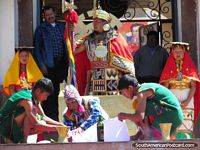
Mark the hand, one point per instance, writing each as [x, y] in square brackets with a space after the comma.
[122, 116]
[86, 114]
[138, 136]
[77, 131]
[185, 103]
[71, 27]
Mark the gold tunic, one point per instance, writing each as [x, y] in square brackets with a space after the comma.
[185, 83]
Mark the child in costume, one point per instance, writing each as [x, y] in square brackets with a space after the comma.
[156, 105]
[22, 73]
[180, 75]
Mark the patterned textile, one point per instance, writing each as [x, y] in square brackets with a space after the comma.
[57, 41]
[72, 76]
[104, 80]
[106, 61]
[119, 48]
[92, 107]
[72, 93]
[71, 17]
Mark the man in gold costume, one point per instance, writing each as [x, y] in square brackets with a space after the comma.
[101, 58]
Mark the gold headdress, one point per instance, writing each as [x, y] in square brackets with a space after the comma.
[180, 44]
[68, 6]
[102, 14]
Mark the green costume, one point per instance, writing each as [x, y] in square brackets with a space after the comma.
[163, 106]
[10, 110]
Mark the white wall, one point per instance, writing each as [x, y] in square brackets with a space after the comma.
[7, 35]
[36, 14]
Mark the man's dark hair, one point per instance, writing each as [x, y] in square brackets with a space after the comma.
[45, 85]
[153, 33]
[127, 80]
[47, 8]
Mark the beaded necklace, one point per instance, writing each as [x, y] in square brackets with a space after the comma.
[179, 67]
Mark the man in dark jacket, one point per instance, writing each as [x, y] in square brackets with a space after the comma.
[51, 54]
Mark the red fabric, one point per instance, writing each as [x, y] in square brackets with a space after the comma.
[188, 70]
[151, 119]
[120, 47]
[40, 137]
[22, 76]
[71, 16]
[82, 64]
[134, 47]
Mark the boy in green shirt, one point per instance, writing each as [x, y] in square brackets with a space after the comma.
[23, 115]
[156, 104]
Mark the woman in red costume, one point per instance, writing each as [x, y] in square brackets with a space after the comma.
[180, 75]
[22, 73]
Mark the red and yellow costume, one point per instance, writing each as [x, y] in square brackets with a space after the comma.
[170, 72]
[19, 78]
[105, 58]
[117, 61]
[189, 71]
[181, 87]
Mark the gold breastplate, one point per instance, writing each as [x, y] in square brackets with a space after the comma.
[182, 84]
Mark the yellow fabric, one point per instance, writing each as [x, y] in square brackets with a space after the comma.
[185, 83]
[135, 104]
[12, 75]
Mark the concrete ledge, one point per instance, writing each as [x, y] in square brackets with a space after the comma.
[146, 145]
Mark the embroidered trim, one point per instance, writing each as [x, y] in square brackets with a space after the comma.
[122, 64]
